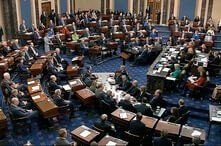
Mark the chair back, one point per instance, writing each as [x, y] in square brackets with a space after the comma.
[133, 139]
[184, 118]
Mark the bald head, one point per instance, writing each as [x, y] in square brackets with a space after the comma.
[15, 101]
[57, 92]
[104, 117]
[6, 76]
[127, 97]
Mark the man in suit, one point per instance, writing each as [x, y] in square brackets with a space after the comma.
[22, 27]
[162, 140]
[143, 57]
[19, 112]
[52, 84]
[59, 101]
[59, 60]
[84, 47]
[157, 99]
[6, 49]
[137, 127]
[61, 140]
[182, 108]
[23, 99]
[43, 18]
[23, 69]
[108, 98]
[99, 92]
[143, 94]
[52, 16]
[125, 85]
[32, 51]
[134, 90]
[143, 108]
[87, 33]
[104, 125]
[126, 103]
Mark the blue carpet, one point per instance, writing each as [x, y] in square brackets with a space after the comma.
[47, 137]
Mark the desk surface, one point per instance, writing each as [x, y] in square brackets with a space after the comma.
[84, 134]
[39, 97]
[171, 128]
[188, 132]
[34, 88]
[149, 122]
[213, 111]
[85, 93]
[109, 140]
[117, 114]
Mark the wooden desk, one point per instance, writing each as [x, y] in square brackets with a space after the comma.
[213, 118]
[85, 95]
[3, 124]
[171, 128]
[72, 70]
[149, 122]
[39, 97]
[112, 45]
[40, 61]
[76, 84]
[124, 122]
[109, 140]
[47, 108]
[3, 67]
[31, 88]
[36, 69]
[84, 139]
[73, 45]
[119, 35]
[187, 131]
[79, 60]
[31, 81]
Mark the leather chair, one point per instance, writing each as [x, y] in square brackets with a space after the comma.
[132, 139]
[64, 111]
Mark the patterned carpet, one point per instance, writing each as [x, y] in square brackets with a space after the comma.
[199, 112]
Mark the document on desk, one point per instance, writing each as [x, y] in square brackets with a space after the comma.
[196, 133]
[216, 119]
[85, 133]
[171, 78]
[123, 115]
[166, 69]
[73, 82]
[35, 88]
[31, 82]
[111, 143]
[36, 97]
[66, 87]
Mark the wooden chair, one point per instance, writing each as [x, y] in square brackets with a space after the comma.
[20, 124]
[132, 139]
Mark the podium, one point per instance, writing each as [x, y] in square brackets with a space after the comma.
[124, 56]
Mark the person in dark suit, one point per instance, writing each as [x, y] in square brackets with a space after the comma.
[23, 69]
[52, 84]
[134, 90]
[22, 27]
[143, 94]
[125, 85]
[182, 108]
[137, 127]
[157, 99]
[59, 101]
[19, 112]
[15, 45]
[99, 92]
[87, 33]
[32, 51]
[174, 115]
[5, 49]
[142, 58]
[117, 77]
[61, 140]
[1, 33]
[52, 16]
[143, 108]
[104, 125]
[43, 18]
[162, 140]
[126, 104]
[59, 60]
[108, 98]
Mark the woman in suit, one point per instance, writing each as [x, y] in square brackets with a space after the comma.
[197, 83]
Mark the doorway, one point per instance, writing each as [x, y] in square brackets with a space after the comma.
[154, 8]
[47, 8]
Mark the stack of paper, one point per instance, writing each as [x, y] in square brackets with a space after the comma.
[31, 82]
[73, 82]
[166, 69]
[111, 143]
[35, 88]
[196, 133]
[66, 87]
[35, 97]
[123, 115]
[85, 133]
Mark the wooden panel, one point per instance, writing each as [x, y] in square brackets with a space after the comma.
[203, 10]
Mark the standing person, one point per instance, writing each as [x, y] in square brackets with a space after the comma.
[43, 18]
[52, 16]
[47, 42]
[1, 33]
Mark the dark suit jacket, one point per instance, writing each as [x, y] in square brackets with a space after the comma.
[183, 110]
[159, 141]
[52, 86]
[18, 112]
[99, 94]
[125, 85]
[137, 127]
[142, 95]
[127, 105]
[156, 101]
[59, 101]
[103, 126]
[133, 91]
[145, 110]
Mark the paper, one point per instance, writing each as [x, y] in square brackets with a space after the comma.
[196, 133]
[36, 97]
[35, 88]
[171, 78]
[31, 82]
[85, 133]
[66, 87]
[166, 69]
[73, 82]
[216, 119]
[123, 115]
[111, 143]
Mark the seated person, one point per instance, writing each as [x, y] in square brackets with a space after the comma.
[208, 37]
[195, 84]
[174, 115]
[58, 60]
[19, 112]
[32, 51]
[37, 35]
[52, 84]
[210, 31]
[65, 31]
[123, 71]
[87, 76]
[50, 33]
[59, 101]
[108, 98]
[203, 48]
[134, 90]
[162, 140]
[177, 71]
[157, 99]
[104, 125]
[182, 108]
[61, 140]
[126, 103]
[125, 84]
[118, 78]
[142, 58]
[153, 34]
[5, 49]
[87, 33]
[23, 99]
[84, 47]
[75, 36]
[143, 94]
[93, 86]
[15, 45]
[137, 127]
[196, 35]
[219, 26]
[23, 69]
[143, 108]
[99, 92]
